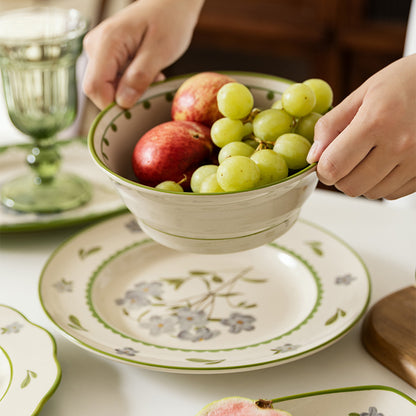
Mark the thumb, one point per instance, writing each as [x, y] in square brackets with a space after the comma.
[334, 122]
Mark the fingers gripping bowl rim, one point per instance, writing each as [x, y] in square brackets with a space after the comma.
[200, 223]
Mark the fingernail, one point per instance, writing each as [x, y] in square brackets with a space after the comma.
[127, 97]
[313, 153]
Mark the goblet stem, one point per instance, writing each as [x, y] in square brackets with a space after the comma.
[45, 160]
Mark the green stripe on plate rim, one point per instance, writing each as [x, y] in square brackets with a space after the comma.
[345, 390]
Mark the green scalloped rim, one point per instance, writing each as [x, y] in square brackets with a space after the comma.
[58, 378]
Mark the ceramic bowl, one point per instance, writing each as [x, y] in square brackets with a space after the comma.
[199, 223]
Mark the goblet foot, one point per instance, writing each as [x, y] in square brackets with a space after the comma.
[66, 191]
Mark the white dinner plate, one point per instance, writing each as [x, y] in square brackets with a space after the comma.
[105, 200]
[113, 290]
[29, 369]
[352, 401]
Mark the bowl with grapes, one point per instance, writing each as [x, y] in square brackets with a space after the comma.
[207, 220]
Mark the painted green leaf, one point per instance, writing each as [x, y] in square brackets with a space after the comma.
[29, 375]
[113, 127]
[353, 414]
[316, 246]
[146, 104]
[229, 294]
[75, 323]
[251, 280]
[270, 95]
[169, 96]
[85, 253]
[127, 114]
[25, 382]
[198, 272]
[204, 361]
[104, 156]
[176, 282]
[106, 141]
[334, 317]
[217, 279]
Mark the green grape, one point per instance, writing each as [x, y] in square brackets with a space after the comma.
[298, 99]
[269, 124]
[323, 93]
[235, 100]
[248, 129]
[238, 173]
[251, 142]
[235, 149]
[210, 185]
[306, 125]
[169, 186]
[200, 174]
[272, 166]
[294, 148]
[277, 104]
[225, 130]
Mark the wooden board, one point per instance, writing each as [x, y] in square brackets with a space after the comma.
[389, 333]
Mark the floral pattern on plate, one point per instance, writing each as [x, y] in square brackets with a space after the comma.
[116, 292]
[29, 370]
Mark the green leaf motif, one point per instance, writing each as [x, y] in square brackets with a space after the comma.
[85, 253]
[177, 283]
[251, 280]
[29, 375]
[198, 273]
[316, 246]
[217, 279]
[270, 95]
[105, 140]
[75, 323]
[169, 96]
[146, 104]
[113, 127]
[334, 317]
[204, 361]
[353, 414]
[127, 114]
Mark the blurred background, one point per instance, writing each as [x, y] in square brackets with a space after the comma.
[341, 41]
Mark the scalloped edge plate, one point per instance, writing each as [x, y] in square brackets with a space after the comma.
[31, 371]
[114, 291]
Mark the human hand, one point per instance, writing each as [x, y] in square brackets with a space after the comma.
[367, 144]
[128, 51]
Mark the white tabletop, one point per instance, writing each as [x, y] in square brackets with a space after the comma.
[383, 235]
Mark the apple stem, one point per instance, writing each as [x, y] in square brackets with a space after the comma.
[264, 404]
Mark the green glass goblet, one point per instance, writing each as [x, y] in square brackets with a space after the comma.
[39, 47]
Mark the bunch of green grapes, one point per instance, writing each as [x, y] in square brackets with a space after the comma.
[261, 146]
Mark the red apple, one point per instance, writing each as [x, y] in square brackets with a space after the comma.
[171, 151]
[196, 98]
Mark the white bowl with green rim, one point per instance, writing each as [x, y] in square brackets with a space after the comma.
[199, 223]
